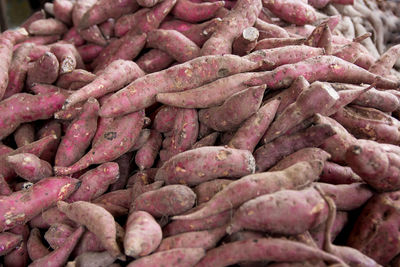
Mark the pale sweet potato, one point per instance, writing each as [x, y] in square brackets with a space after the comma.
[292, 11]
[147, 154]
[208, 140]
[94, 259]
[8, 242]
[48, 26]
[336, 174]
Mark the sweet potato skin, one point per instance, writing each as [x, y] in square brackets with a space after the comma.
[44, 70]
[195, 12]
[8, 242]
[337, 174]
[143, 234]
[205, 191]
[25, 134]
[168, 200]
[57, 234]
[305, 154]
[292, 11]
[147, 154]
[48, 26]
[36, 249]
[30, 167]
[195, 166]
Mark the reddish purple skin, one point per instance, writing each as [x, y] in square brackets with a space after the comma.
[114, 77]
[269, 30]
[105, 9]
[93, 35]
[251, 131]
[269, 154]
[164, 119]
[292, 11]
[141, 92]
[168, 200]
[142, 235]
[117, 139]
[36, 148]
[24, 135]
[205, 191]
[198, 33]
[78, 135]
[95, 259]
[66, 58]
[270, 43]
[376, 229]
[208, 140]
[174, 43]
[318, 233]
[57, 234]
[102, 125]
[6, 50]
[8, 241]
[154, 60]
[144, 20]
[198, 165]
[41, 40]
[386, 62]
[95, 182]
[72, 36]
[120, 197]
[19, 256]
[189, 11]
[107, 28]
[234, 111]
[48, 26]
[51, 128]
[184, 134]
[209, 223]
[5, 149]
[44, 70]
[89, 52]
[30, 167]
[63, 10]
[305, 154]
[321, 68]
[78, 75]
[243, 14]
[270, 249]
[147, 154]
[369, 123]
[20, 207]
[124, 163]
[32, 18]
[251, 186]
[345, 97]
[143, 177]
[336, 174]
[35, 247]
[244, 44]
[88, 243]
[179, 257]
[59, 257]
[148, 3]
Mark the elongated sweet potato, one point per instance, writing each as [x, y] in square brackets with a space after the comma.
[270, 30]
[30, 167]
[52, 128]
[22, 206]
[305, 154]
[36, 249]
[270, 43]
[198, 165]
[292, 11]
[195, 12]
[143, 234]
[147, 154]
[166, 201]
[25, 134]
[205, 191]
[8, 242]
[97, 220]
[141, 92]
[44, 70]
[336, 174]
[48, 26]
[154, 60]
[57, 234]
[318, 233]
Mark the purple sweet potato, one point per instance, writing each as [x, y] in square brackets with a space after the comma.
[246, 42]
[208, 140]
[270, 30]
[336, 174]
[52, 128]
[48, 26]
[78, 135]
[195, 12]
[164, 120]
[19, 256]
[72, 36]
[305, 154]
[59, 257]
[120, 197]
[95, 182]
[107, 28]
[117, 139]
[251, 131]
[93, 35]
[233, 195]
[292, 11]
[147, 154]
[113, 78]
[97, 220]
[25, 134]
[89, 52]
[154, 60]
[44, 70]
[386, 62]
[270, 43]
[78, 75]
[234, 110]
[36, 249]
[88, 243]
[141, 92]
[8, 242]
[48, 191]
[179, 257]
[63, 10]
[143, 234]
[30, 167]
[166, 201]
[142, 139]
[57, 234]
[5, 189]
[198, 165]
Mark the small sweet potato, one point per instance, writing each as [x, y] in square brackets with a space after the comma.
[154, 60]
[94, 259]
[57, 234]
[36, 249]
[208, 140]
[29, 166]
[246, 42]
[270, 30]
[48, 26]
[143, 234]
[336, 174]
[292, 11]
[25, 134]
[147, 154]
[205, 191]
[8, 242]
[44, 70]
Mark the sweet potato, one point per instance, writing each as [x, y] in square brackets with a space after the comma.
[321, 68]
[120, 197]
[44, 70]
[166, 201]
[234, 111]
[292, 11]
[304, 106]
[94, 259]
[35, 16]
[89, 52]
[233, 195]
[164, 119]
[270, 43]
[105, 9]
[198, 165]
[29, 166]
[141, 92]
[183, 135]
[60, 256]
[264, 249]
[88, 243]
[78, 135]
[63, 10]
[93, 35]
[143, 234]
[179, 257]
[246, 42]
[36, 249]
[95, 182]
[72, 36]
[144, 177]
[270, 30]
[387, 60]
[208, 140]
[195, 12]
[174, 43]
[19, 256]
[57, 234]
[24, 135]
[142, 139]
[68, 57]
[147, 154]
[305, 154]
[52, 128]
[8, 242]
[97, 220]
[117, 139]
[144, 20]
[376, 166]
[269, 154]
[48, 191]
[5, 189]
[336, 174]
[47, 27]
[53, 216]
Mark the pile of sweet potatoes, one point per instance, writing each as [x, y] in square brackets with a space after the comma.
[201, 133]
